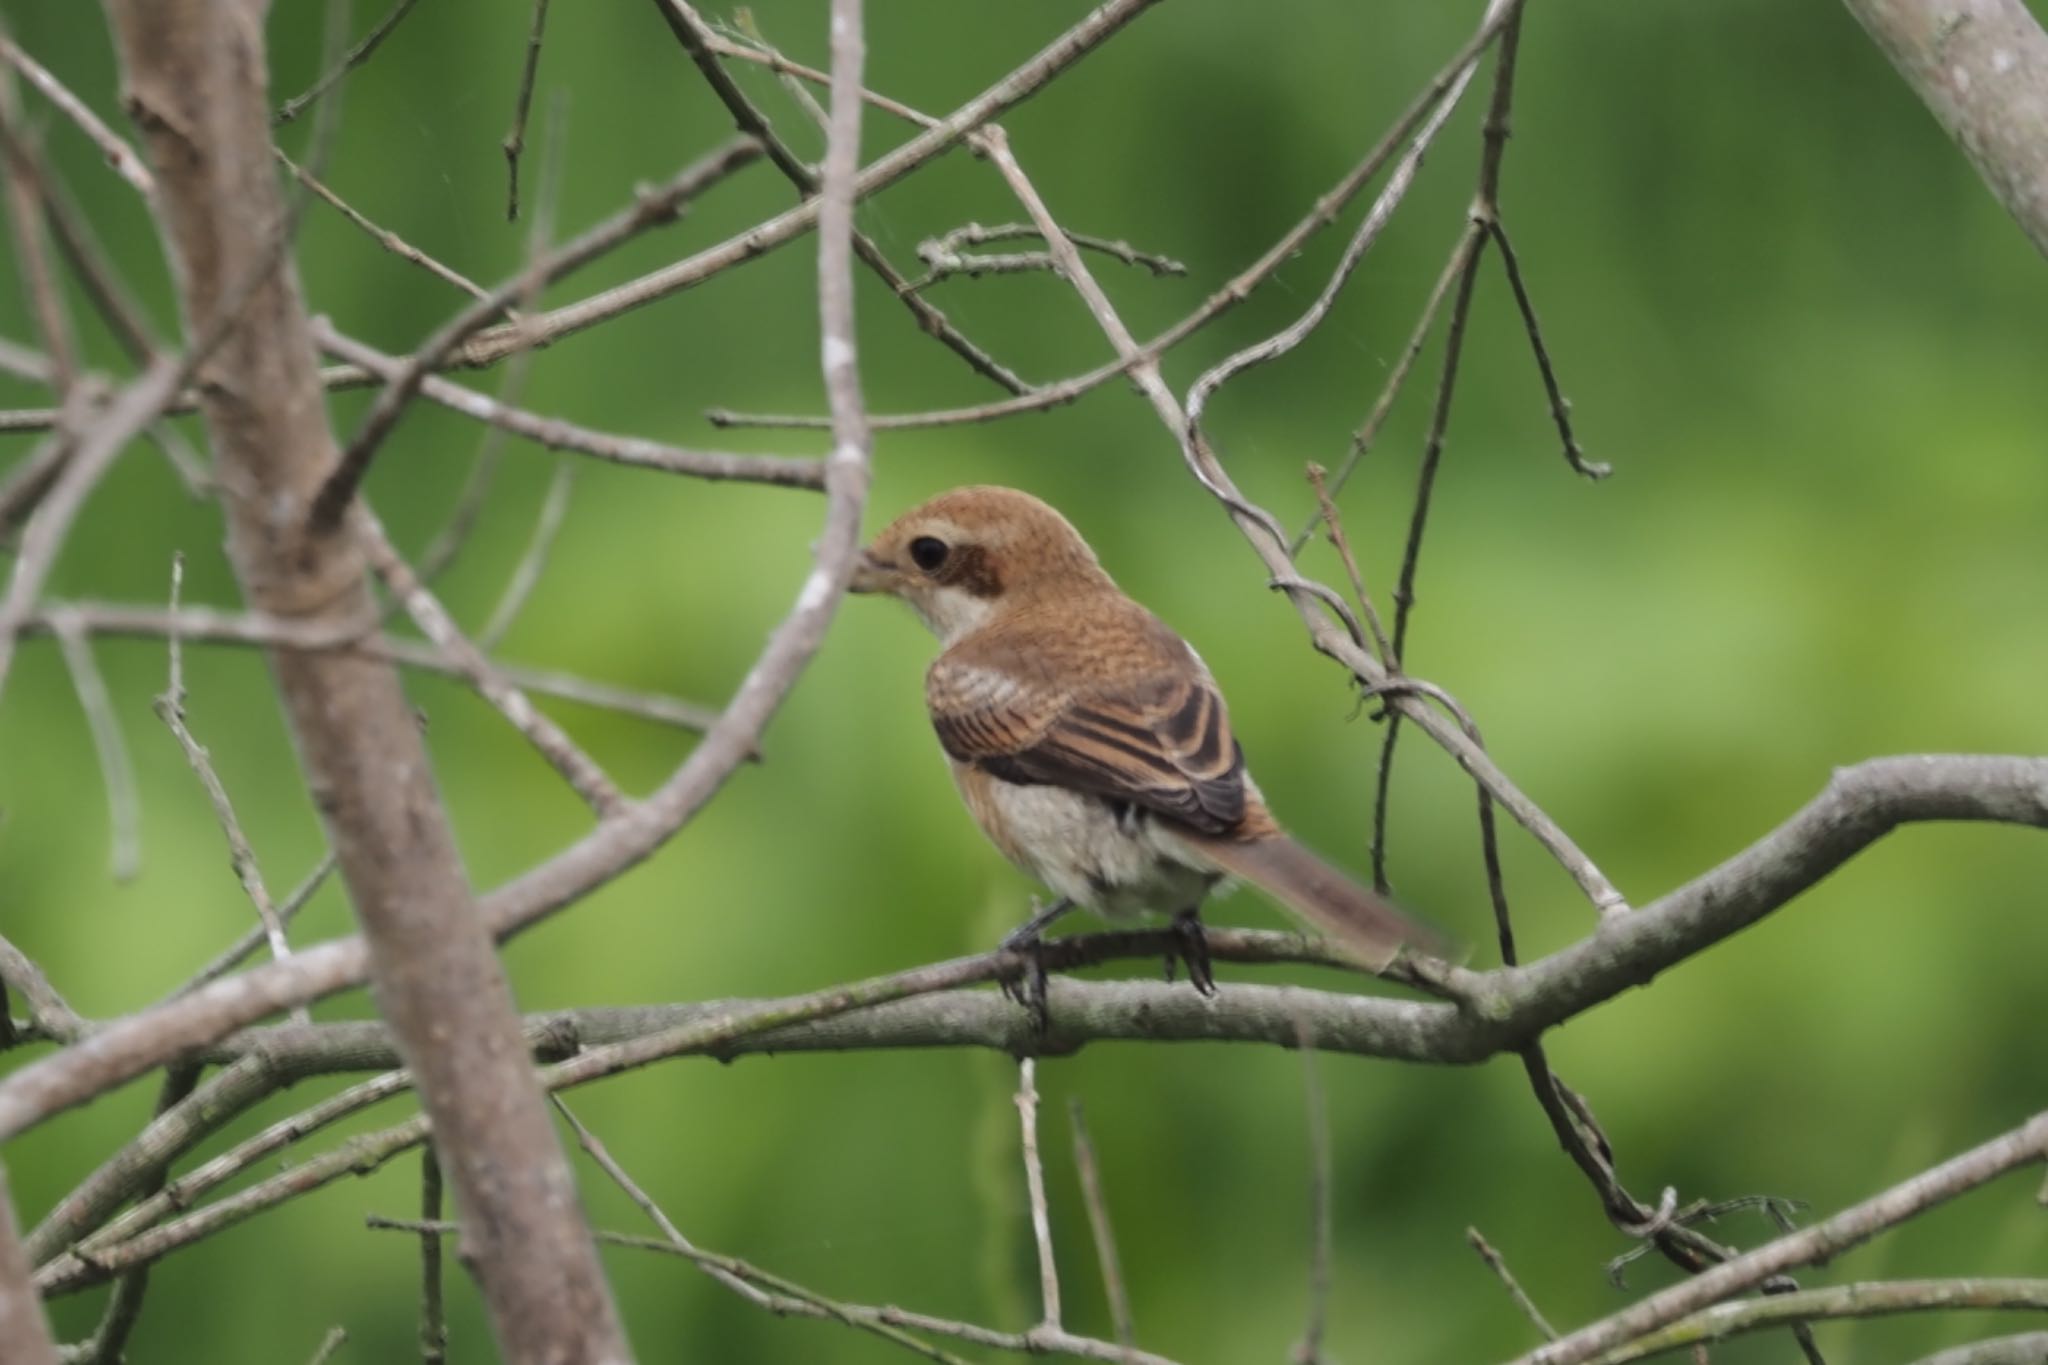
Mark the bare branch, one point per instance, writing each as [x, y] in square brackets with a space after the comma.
[220, 627]
[170, 708]
[193, 75]
[334, 1340]
[433, 1317]
[350, 60]
[944, 258]
[1100, 1227]
[786, 1298]
[1863, 1300]
[232, 956]
[1505, 1007]
[1560, 407]
[649, 208]
[47, 1009]
[526, 573]
[1499, 1267]
[1830, 1237]
[1368, 232]
[24, 1331]
[1309, 1350]
[515, 140]
[124, 1305]
[549, 740]
[1091, 32]
[97, 447]
[702, 44]
[1034, 1187]
[2024, 1348]
[556, 434]
[1369, 430]
[25, 196]
[112, 145]
[117, 771]
[1979, 66]
[115, 301]
[383, 236]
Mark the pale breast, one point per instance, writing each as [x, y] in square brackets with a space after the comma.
[1117, 860]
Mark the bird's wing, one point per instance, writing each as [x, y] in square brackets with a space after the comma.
[1161, 741]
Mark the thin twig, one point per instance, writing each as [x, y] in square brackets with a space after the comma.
[1411, 555]
[1034, 1187]
[1397, 378]
[944, 258]
[702, 44]
[257, 935]
[577, 768]
[33, 476]
[1100, 1226]
[94, 453]
[23, 362]
[110, 295]
[1369, 228]
[786, 1298]
[170, 708]
[112, 145]
[1096, 27]
[1309, 1350]
[1234, 291]
[1868, 1299]
[448, 542]
[25, 196]
[1499, 1266]
[782, 1296]
[47, 1008]
[1560, 408]
[383, 236]
[124, 1305]
[433, 1317]
[200, 623]
[2022, 1146]
[556, 434]
[329, 1344]
[134, 408]
[350, 60]
[515, 140]
[124, 809]
[649, 209]
[526, 574]
[1334, 524]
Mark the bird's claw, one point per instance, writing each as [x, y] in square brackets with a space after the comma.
[1027, 987]
[1193, 949]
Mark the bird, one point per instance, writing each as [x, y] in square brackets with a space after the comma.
[1090, 742]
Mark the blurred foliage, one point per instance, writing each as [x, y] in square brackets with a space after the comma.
[1783, 307]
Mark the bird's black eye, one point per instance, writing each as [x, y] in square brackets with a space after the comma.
[928, 553]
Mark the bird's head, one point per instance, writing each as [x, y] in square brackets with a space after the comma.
[964, 555]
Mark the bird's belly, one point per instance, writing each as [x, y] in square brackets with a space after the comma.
[1116, 860]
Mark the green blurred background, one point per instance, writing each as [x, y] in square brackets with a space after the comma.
[1783, 306]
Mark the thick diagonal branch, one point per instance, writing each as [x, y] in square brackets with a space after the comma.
[193, 73]
[1981, 68]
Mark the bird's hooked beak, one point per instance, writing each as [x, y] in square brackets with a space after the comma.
[871, 575]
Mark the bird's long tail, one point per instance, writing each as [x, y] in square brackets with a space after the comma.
[1367, 926]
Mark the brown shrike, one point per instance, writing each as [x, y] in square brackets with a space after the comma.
[1088, 740]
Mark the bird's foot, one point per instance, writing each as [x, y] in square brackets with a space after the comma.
[1193, 949]
[1028, 988]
